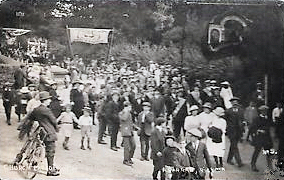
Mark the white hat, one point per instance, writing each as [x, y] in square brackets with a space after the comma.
[24, 90]
[193, 107]
[195, 132]
[225, 83]
[219, 111]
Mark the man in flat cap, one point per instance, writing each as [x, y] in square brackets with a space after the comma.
[145, 121]
[47, 120]
[260, 133]
[112, 108]
[157, 146]
[199, 152]
[234, 117]
[8, 98]
[127, 127]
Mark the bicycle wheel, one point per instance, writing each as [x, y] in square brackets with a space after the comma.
[31, 164]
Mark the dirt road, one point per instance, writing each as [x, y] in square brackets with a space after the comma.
[103, 163]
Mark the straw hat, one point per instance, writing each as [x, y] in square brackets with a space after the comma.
[195, 132]
[44, 95]
[24, 90]
[193, 108]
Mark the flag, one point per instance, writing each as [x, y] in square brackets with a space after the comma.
[16, 32]
[92, 36]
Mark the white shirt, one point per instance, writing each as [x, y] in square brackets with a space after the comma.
[191, 122]
[85, 121]
[276, 113]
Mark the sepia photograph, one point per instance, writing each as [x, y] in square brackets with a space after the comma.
[142, 89]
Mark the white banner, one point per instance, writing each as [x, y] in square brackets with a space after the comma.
[16, 32]
[92, 36]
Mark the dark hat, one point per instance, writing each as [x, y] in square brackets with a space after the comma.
[235, 99]
[44, 95]
[77, 82]
[160, 120]
[146, 104]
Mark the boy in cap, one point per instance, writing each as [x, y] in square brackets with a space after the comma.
[169, 156]
[157, 145]
[199, 152]
[85, 122]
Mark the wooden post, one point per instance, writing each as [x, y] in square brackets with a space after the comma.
[69, 42]
[266, 89]
[109, 47]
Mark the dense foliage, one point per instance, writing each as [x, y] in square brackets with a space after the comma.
[169, 32]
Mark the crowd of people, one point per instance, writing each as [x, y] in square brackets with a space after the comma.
[182, 123]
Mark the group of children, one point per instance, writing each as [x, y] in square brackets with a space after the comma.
[85, 122]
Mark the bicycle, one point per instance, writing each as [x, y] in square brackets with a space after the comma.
[32, 154]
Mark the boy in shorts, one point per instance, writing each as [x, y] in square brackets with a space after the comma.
[86, 122]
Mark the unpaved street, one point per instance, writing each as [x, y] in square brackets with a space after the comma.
[101, 162]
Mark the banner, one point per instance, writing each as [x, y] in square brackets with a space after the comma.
[16, 32]
[92, 36]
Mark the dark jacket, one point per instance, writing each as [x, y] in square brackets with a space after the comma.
[200, 157]
[146, 127]
[234, 122]
[158, 106]
[157, 143]
[126, 123]
[77, 97]
[170, 156]
[259, 130]
[46, 119]
[180, 113]
[111, 112]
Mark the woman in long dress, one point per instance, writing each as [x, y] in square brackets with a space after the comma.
[217, 148]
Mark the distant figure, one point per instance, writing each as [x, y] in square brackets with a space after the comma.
[226, 93]
[19, 77]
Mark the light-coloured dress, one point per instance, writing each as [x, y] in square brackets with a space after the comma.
[67, 119]
[191, 122]
[205, 120]
[217, 149]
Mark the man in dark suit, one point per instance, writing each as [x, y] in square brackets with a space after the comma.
[157, 145]
[145, 122]
[158, 103]
[199, 153]
[179, 113]
[19, 77]
[46, 119]
[127, 128]
[112, 108]
[234, 117]
[8, 98]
